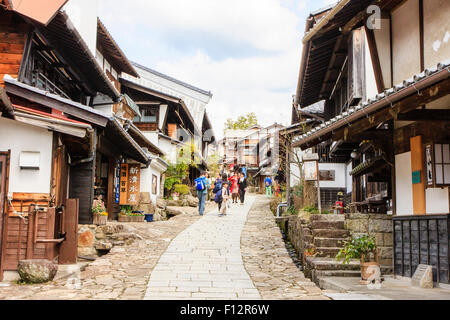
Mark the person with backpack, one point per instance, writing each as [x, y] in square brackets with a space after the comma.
[268, 183]
[217, 191]
[202, 191]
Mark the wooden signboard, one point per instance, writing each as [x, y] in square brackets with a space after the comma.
[123, 184]
[130, 180]
[134, 182]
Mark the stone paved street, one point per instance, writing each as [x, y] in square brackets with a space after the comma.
[205, 262]
[240, 256]
[268, 262]
[121, 275]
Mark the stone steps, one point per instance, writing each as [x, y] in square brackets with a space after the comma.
[327, 217]
[330, 252]
[333, 225]
[329, 242]
[327, 233]
[337, 273]
[322, 264]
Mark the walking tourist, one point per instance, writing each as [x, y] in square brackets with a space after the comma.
[234, 187]
[268, 183]
[200, 186]
[217, 191]
[242, 183]
[225, 199]
[208, 186]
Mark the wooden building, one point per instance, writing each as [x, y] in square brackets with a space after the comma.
[53, 142]
[383, 73]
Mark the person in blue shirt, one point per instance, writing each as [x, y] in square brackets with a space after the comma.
[268, 183]
[202, 191]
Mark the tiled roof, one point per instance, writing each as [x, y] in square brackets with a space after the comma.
[184, 84]
[361, 109]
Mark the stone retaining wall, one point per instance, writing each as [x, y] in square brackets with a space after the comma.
[298, 231]
[378, 225]
[94, 240]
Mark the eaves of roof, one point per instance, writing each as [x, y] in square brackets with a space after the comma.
[410, 86]
[112, 50]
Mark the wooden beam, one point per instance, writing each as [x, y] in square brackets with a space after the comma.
[375, 59]
[428, 95]
[55, 104]
[425, 115]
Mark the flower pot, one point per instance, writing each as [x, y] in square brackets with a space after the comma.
[100, 220]
[365, 275]
[137, 218]
[149, 217]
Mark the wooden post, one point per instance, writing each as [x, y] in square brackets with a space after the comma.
[68, 252]
[32, 220]
[417, 166]
[288, 170]
[318, 188]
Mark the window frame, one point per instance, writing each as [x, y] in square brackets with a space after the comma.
[433, 183]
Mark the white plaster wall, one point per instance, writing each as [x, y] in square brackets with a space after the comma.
[371, 83]
[146, 181]
[383, 40]
[349, 178]
[403, 184]
[83, 14]
[437, 200]
[340, 171]
[406, 41]
[436, 15]
[18, 137]
[169, 149]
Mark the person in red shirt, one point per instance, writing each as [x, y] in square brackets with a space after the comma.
[234, 187]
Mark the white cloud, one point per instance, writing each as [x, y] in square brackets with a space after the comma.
[262, 81]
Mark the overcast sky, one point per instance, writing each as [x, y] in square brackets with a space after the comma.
[246, 52]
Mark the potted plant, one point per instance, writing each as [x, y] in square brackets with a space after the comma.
[363, 248]
[137, 216]
[99, 212]
[125, 211]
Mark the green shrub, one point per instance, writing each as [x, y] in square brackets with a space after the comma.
[357, 247]
[311, 209]
[181, 189]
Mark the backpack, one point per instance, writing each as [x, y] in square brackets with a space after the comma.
[200, 184]
[218, 186]
[218, 198]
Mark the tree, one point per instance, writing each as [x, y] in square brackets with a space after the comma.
[242, 123]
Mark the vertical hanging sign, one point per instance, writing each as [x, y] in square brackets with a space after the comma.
[134, 174]
[123, 184]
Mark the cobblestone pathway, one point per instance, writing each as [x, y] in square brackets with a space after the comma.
[268, 262]
[205, 262]
[123, 274]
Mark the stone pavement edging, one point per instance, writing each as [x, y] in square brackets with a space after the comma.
[268, 262]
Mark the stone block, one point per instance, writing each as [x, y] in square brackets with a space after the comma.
[161, 203]
[146, 208]
[37, 271]
[174, 211]
[385, 252]
[86, 239]
[388, 239]
[380, 226]
[379, 239]
[145, 198]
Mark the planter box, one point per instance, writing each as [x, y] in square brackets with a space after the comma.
[137, 219]
[100, 220]
[124, 218]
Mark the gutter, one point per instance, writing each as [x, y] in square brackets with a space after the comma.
[385, 99]
[93, 143]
